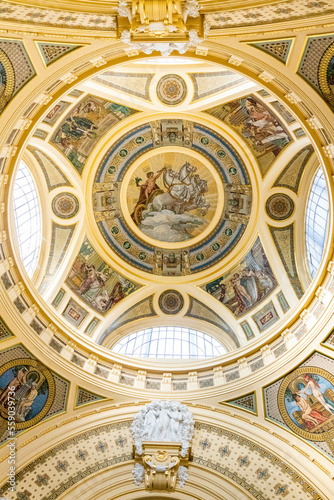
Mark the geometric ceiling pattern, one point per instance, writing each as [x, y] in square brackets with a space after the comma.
[50, 52]
[247, 402]
[277, 48]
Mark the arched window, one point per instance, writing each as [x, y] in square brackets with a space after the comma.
[169, 342]
[316, 222]
[27, 215]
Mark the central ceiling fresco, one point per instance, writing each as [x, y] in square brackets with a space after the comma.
[172, 188]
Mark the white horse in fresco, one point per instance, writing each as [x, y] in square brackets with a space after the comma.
[185, 191]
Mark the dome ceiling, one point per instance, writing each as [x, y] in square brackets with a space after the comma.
[191, 182]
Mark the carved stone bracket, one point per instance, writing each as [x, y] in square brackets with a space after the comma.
[160, 466]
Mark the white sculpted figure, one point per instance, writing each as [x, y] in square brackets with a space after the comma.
[164, 421]
[151, 424]
[175, 422]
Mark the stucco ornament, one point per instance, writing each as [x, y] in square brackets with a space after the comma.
[160, 26]
[139, 474]
[163, 421]
[182, 475]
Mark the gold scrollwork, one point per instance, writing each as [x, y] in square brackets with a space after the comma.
[7, 88]
[323, 75]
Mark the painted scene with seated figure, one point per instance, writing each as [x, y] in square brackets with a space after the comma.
[264, 133]
[246, 284]
[84, 125]
[95, 282]
[309, 402]
[26, 388]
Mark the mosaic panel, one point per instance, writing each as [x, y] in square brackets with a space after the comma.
[56, 18]
[264, 133]
[74, 313]
[283, 302]
[61, 237]
[285, 243]
[56, 112]
[198, 310]
[75, 93]
[142, 309]
[85, 397]
[247, 330]
[54, 176]
[299, 133]
[58, 298]
[269, 14]
[39, 392]
[171, 302]
[136, 84]
[317, 66]
[92, 326]
[65, 205]
[16, 69]
[5, 332]
[40, 134]
[303, 402]
[266, 317]
[84, 125]
[247, 402]
[73, 460]
[256, 469]
[171, 90]
[263, 93]
[207, 84]
[170, 210]
[280, 49]
[50, 52]
[247, 284]
[330, 339]
[285, 114]
[279, 206]
[291, 176]
[95, 282]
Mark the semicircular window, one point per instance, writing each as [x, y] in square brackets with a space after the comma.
[316, 221]
[27, 215]
[170, 343]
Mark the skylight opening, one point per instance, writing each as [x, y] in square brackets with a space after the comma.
[169, 342]
[316, 222]
[27, 215]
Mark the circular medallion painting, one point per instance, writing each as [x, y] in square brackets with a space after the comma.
[171, 302]
[280, 206]
[65, 205]
[172, 197]
[27, 386]
[306, 402]
[171, 90]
